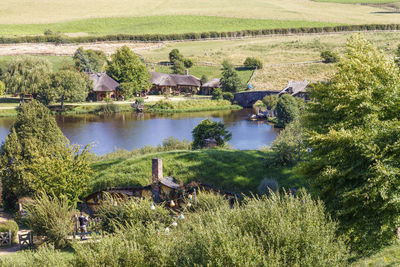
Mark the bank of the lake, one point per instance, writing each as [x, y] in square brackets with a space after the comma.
[172, 105]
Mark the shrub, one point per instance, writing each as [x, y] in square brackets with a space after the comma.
[203, 79]
[268, 185]
[286, 110]
[11, 226]
[188, 63]
[228, 96]
[329, 56]
[108, 108]
[172, 143]
[217, 94]
[163, 105]
[270, 101]
[131, 211]
[51, 217]
[253, 63]
[266, 231]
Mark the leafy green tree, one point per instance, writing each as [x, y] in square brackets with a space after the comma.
[2, 88]
[270, 101]
[89, 60]
[175, 55]
[127, 69]
[329, 56]
[287, 110]
[230, 80]
[354, 128]
[208, 129]
[188, 63]
[178, 67]
[204, 79]
[289, 144]
[70, 86]
[228, 96]
[36, 156]
[25, 75]
[217, 94]
[253, 63]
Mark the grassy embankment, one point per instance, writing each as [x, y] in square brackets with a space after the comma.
[233, 170]
[389, 256]
[166, 106]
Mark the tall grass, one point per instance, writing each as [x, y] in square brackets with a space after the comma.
[282, 231]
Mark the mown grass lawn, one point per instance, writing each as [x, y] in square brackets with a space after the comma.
[232, 170]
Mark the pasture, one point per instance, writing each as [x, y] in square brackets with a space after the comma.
[88, 17]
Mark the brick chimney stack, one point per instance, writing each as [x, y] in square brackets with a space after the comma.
[157, 175]
[186, 72]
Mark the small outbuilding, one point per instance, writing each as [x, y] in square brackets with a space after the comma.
[296, 89]
[103, 87]
[208, 87]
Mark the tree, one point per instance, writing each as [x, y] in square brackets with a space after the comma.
[253, 63]
[354, 129]
[289, 144]
[329, 56]
[70, 86]
[228, 96]
[2, 88]
[175, 55]
[286, 110]
[187, 62]
[208, 129]
[204, 79]
[127, 69]
[89, 60]
[25, 75]
[230, 80]
[36, 156]
[270, 101]
[217, 94]
[178, 67]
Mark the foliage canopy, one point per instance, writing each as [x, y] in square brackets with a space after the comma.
[208, 129]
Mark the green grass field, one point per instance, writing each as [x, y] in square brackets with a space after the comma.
[387, 257]
[56, 61]
[156, 25]
[233, 170]
[137, 16]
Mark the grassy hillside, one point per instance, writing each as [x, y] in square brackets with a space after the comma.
[50, 11]
[156, 25]
[389, 256]
[233, 170]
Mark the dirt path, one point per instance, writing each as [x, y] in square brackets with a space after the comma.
[69, 49]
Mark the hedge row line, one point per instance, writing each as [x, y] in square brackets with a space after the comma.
[60, 39]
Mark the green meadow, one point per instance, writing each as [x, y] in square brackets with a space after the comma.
[156, 25]
[232, 170]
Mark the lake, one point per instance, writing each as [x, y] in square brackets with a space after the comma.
[131, 130]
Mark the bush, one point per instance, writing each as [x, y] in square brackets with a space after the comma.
[286, 110]
[172, 143]
[329, 56]
[268, 185]
[163, 105]
[208, 129]
[51, 217]
[228, 96]
[267, 231]
[131, 211]
[217, 94]
[253, 63]
[11, 226]
[188, 63]
[108, 108]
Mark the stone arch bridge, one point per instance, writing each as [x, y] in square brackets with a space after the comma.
[248, 98]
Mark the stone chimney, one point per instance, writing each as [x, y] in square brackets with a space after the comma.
[186, 72]
[157, 175]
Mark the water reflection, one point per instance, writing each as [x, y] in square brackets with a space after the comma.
[131, 130]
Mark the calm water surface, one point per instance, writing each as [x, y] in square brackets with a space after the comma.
[131, 130]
